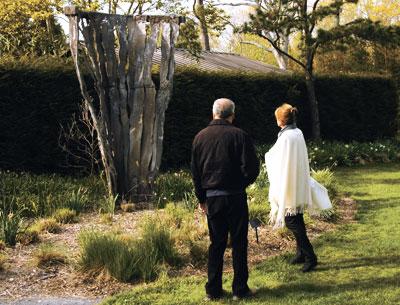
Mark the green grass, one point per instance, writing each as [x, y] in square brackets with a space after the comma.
[359, 263]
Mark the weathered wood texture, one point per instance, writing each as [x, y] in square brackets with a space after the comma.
[128, 111]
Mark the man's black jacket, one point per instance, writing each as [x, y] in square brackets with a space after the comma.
[223, 158]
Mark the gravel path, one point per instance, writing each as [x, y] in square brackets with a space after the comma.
[51, 301]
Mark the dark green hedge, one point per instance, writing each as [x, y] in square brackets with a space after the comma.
[35, 101]
[351, 108]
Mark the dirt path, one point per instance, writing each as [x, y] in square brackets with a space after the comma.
[52, 301]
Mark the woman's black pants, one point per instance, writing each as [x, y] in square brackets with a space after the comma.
[304, 247]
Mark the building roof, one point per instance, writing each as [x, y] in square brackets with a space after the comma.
[218, 61]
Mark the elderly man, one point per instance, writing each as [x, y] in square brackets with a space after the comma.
[223, 164]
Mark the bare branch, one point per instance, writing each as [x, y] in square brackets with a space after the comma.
[276, 47]
[258, 45]
[315, 5]
[238, 4]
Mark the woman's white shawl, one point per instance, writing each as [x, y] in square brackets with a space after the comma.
[289, 177]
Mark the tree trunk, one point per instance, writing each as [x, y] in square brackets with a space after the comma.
[313, 103]
[128, 112]
[200, 14]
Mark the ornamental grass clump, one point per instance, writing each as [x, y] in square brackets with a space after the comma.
[175, 214]
[107, 205]
[28, 237]
[107, 251]
[157, 242]
[49, 225]
[78, 200]
[48, 255]
[125, 258]
[10, 220]
[65, 215]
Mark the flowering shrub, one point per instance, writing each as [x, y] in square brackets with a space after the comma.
[333, 153]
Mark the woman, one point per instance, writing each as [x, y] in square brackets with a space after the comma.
[289, 177]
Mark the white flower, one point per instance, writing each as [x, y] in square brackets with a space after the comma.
[347, 146]
[316, 148]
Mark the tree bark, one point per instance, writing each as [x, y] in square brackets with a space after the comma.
[128, 112]
[200, 15]
[313, 103]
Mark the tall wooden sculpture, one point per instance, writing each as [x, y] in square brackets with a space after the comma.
[128, 109]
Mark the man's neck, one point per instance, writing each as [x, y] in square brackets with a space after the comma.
[229, 120]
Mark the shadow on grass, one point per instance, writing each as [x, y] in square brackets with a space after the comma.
[377, 204]
[360, 262]
[316, 289]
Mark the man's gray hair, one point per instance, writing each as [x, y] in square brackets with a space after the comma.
[223, 108]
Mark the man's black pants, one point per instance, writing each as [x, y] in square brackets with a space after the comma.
[227, 214]
[304, 247]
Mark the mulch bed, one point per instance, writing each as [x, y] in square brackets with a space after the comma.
[22, 279]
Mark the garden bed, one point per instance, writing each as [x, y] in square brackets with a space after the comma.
[21, 279]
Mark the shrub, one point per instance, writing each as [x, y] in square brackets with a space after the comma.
[65, 215]
[48, 255]
[49, 225]
[330, 154]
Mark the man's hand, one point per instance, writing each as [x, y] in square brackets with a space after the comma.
[203, 207]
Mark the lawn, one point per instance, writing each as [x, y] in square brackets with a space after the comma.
[359, 263]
